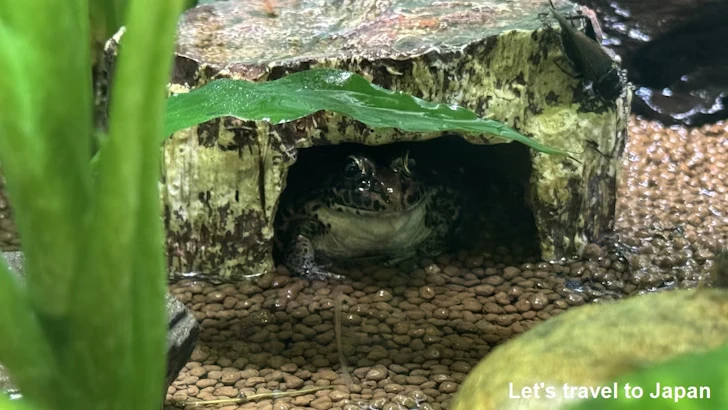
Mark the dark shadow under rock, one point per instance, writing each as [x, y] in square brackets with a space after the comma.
[492, 181]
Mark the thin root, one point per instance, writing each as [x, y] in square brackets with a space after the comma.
[339, 346]
[253, 397]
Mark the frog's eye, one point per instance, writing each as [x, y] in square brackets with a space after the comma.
[353, 167]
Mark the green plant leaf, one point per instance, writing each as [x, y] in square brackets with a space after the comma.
[94, 304]
[106, 18]
[300, 94]
[124, 338]
[7, 404]
[45, 98]
[24, 349]
[149, 280]
[698, 369]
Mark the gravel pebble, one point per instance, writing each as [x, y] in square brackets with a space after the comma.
[226, 391]
[230, 377]
[292, 382]
[202, 383]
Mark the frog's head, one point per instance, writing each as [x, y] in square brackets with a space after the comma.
[366, 187]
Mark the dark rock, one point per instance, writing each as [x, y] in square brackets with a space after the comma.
[675, 52]
[181, 336]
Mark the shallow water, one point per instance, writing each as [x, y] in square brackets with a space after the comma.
[411, 333]
[674, 51]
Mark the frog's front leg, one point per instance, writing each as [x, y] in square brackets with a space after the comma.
[300, 256]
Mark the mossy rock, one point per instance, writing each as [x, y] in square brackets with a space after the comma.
[593, 344]
[222, 180]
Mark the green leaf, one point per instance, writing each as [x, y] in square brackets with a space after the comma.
[300, 94]
[106, 18]
[7, 404]
[149, 280]
[24, 350]
[124, 339]
[698, 369]
[94, 304]
[45, 98]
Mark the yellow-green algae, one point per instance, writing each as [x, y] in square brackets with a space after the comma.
[593, 344]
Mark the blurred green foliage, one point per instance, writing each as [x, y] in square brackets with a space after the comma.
[88, 329]
[699, 369]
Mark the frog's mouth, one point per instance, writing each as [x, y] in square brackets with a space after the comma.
[389, 211]
[384, 201]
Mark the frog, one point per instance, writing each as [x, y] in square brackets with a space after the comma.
[369, 209]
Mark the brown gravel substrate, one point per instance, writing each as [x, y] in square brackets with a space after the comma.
[410, 334]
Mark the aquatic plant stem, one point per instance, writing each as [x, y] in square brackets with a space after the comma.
[337, 332]
[252, 397]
